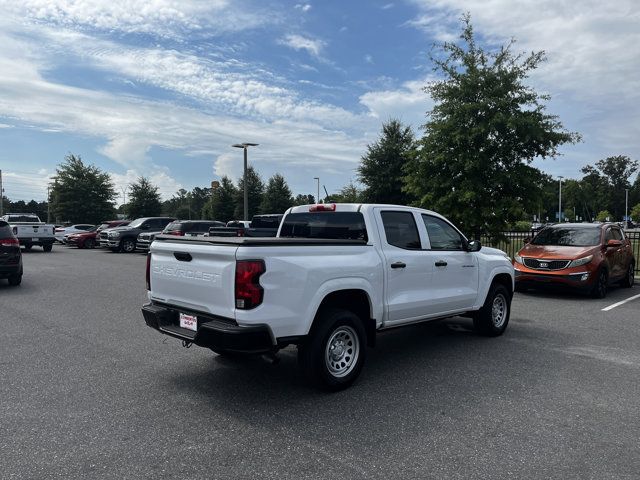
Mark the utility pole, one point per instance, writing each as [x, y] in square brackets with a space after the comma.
[626, 205]
[560, 199]
[244, 178]
[1, 193]
[318, 197]
[48, 205]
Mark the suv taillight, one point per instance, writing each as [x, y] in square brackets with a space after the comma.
[148, 275]
[249, 293]
[9, 242]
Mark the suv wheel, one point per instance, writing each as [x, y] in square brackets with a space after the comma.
[629, 278]
[335, 352]
[602, 282]
[15, 280]
[128, 245]
[492, 319]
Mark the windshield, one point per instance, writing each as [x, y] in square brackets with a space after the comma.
[568, 236]
[136, 223]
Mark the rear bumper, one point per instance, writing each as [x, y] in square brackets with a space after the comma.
[213, 332]
[40, 241]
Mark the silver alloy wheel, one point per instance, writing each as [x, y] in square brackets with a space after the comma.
[128, 246]
[342, 352]
[499, 310]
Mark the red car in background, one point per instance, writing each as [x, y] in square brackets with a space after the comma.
[584, 256]
[88, 239]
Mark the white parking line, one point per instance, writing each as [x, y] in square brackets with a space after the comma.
[610, 307]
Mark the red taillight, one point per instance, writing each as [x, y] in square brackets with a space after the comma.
[323, 207]
[249, 293]
[148, 271]
[240, 232]
[177, 233]
[9, 242]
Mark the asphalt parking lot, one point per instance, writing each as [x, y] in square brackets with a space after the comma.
[89, 391]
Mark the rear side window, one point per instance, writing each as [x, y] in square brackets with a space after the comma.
[401, 230]
[5, 230]
[330, 225]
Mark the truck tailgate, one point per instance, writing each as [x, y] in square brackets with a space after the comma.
[198, 277]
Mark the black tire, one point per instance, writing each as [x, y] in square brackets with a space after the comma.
[602, 282]
[27, 247]
[335, 351]
[492, 319]
[47, 248]
[15, 280]
[89, 243]
[629, 278]
[128, 245]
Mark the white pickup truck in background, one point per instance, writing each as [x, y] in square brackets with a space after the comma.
[30, 230]
[334, 276]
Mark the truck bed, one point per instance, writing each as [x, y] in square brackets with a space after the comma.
[258, 241]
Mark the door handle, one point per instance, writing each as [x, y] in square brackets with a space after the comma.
[441, 263]
[398, 265]
[183, 256]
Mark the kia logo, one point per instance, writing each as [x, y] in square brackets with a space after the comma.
[544, 264]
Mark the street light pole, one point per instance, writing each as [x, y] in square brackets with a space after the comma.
[318, 197]
[560, 199]
[626, 205]
[244, 177]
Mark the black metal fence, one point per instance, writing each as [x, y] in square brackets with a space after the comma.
[514, 241]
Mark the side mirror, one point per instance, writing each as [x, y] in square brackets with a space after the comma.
[614, 243]
[474, 246]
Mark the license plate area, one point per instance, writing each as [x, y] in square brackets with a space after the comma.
[35, 239]
[189, 322]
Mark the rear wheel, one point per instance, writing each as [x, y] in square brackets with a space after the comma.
[602, 282]
[47, 248]
[335, 351]
[128, 245]
[629, 278]
[89, 243]
[492, 319]
[15, 280]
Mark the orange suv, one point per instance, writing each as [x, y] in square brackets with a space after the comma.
[583, 256]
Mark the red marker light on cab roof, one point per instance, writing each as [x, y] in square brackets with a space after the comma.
[323, 207]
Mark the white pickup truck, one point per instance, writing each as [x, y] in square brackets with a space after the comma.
[334, 276]
[30, 230]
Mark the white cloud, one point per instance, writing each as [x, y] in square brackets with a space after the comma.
[304, 7]
[230, 165]
[408, 103]
[297, 42]
[158, 176]
[368, 59]
[387, 6]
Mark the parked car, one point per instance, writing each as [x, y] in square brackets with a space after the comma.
[261, 226]
[191, 227]
[123, 239]
[582, 256]
[78, 227]
[335, 276]
[238, 223]
[30, 231]
[82, 239]
[107, 224]
[10, 255]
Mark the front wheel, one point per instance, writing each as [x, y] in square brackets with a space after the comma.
[630, 277]
[128, 245]
[492, 319]
[89, 243]
[602, 282]
[335, 351]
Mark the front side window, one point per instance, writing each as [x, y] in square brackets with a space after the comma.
[400, 230]
[442, 236]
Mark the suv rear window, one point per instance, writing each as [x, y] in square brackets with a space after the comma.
[331, 225]
[266, 222]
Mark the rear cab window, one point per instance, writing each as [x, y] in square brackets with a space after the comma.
[400, 230]
[329, 225]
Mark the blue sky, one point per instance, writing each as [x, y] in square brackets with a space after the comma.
[162, 88]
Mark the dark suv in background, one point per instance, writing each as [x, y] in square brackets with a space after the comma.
[10, 255]
[180, 228]
[124, 238]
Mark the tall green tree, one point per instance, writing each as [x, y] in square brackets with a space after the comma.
[486, 127]
[613, 174]
[222, 202]
[350, 193]
[302, 199]
[381, 168]
[81, 193]
[277, 196]
[144, 199]
[255, 190]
